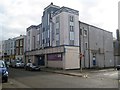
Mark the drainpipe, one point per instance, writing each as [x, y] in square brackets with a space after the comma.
[104, 48]
[88, 47]
[80, 62]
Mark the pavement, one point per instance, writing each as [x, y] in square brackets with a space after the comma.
[77, 72]
[65, 72]
[12, 83]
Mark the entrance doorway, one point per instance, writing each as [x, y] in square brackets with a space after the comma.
[41, 60]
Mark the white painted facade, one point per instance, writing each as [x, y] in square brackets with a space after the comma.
[61, 27]
[31, 38]
[7, 49]
[64, 29]
[96, 44]
[58, 36]
[71, 58]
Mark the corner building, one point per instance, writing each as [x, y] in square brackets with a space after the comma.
[55, 42]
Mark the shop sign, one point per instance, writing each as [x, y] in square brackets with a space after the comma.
[54, 57]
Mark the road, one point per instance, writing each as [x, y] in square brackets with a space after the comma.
[26, 79]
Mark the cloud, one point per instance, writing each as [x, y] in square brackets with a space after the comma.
[119, 15]
[101, 13]
[17, 15]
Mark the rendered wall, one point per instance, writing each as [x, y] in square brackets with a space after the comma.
[72, 57]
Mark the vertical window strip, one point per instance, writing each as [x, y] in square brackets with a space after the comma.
[71, 18]
[71, 30]
[85, 32]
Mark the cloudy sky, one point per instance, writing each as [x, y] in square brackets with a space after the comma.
[17, 15]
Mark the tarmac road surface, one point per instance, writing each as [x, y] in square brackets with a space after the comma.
[19, 78]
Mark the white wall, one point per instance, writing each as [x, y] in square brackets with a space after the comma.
[98, 39]
[72, 59]
[30, 45]
[55, 64]
[64, 28]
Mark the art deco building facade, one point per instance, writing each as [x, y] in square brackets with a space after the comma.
[58, 41]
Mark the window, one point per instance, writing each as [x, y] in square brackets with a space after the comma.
[71, 38]
[85, 32]
[38, 37]
[57, 31]
[57, 19]
[28, 41]
[48, 19]
[71, 42]
[47, 40]
[11, 52]
[72, 28]
[57, 25]
[42, 35]
[16, 51]
[43, 29]
[57, 37]
[71, 35]
[72, 18]
[86, 46]
[21, 51]
[21, 42]
[51, 14]
[11, 44]
[48, 33]
[17, 43]
[80, 31]
[57, 43]
[53, 36]
[43, 41]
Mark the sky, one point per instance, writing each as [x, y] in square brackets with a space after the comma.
[17, 15]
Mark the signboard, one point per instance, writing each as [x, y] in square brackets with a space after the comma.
[54, 57]
[94, 60]
[81, 55]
